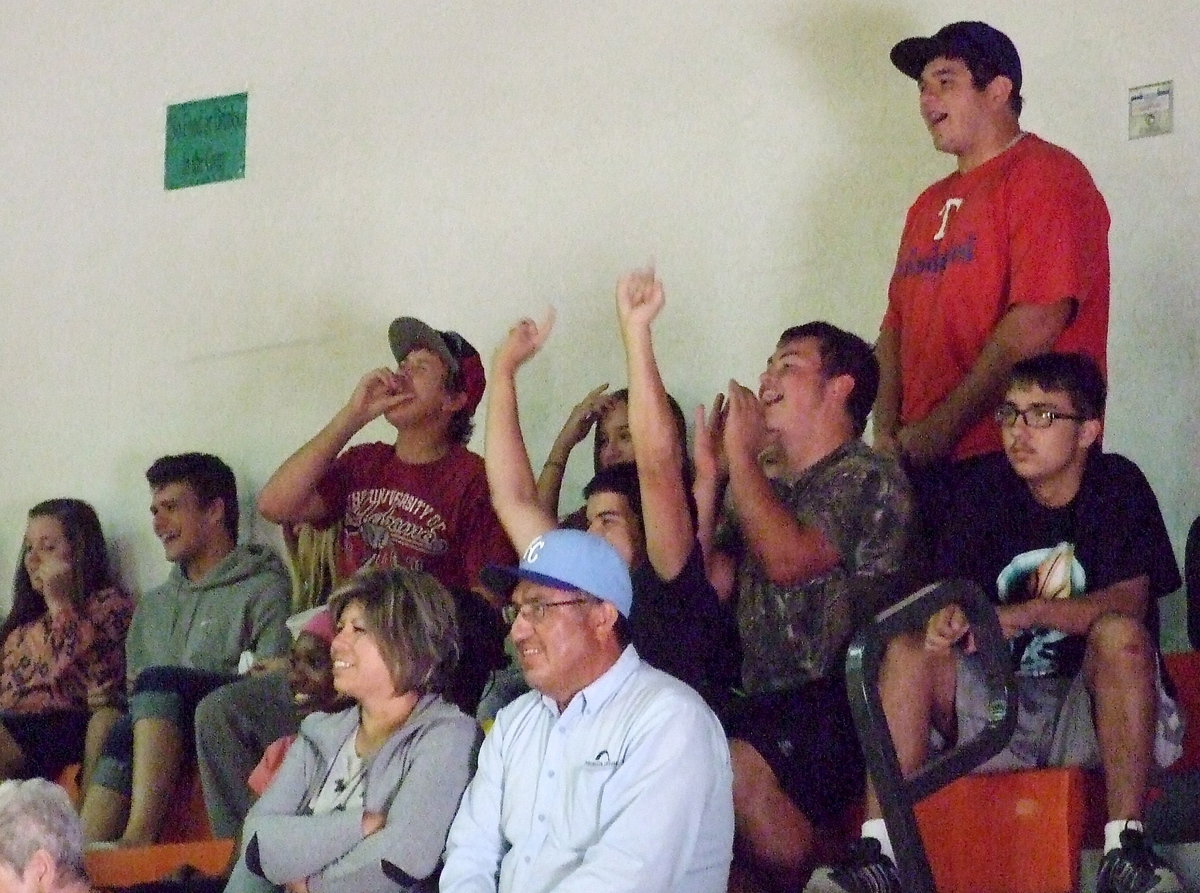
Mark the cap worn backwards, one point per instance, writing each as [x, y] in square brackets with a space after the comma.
[571, 560]
[407, 332]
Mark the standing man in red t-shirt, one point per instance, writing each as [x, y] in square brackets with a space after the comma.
[1005, 258]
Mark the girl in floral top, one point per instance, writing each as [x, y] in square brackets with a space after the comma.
[62, 650]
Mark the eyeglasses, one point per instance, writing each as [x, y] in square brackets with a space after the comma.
[1034, 416]
[535, 612]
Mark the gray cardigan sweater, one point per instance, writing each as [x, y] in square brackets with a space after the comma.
[416, 778]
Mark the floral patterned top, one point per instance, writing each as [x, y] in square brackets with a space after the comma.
[57, 663]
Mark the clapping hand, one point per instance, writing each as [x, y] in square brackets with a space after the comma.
[709, 445]
[745, 430]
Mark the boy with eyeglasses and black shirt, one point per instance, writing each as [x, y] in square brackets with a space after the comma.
[1068, 541]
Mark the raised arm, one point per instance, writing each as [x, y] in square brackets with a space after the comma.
[790, 552]
[708, 490]
[583, 418]
[510, 476]
[291, 493]
[656, 446]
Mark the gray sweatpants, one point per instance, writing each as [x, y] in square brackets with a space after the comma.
[234, 725]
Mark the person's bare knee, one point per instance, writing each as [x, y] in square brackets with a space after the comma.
[759, 801]
[771, 829]
[1117, 645]
[916, 687]
[752, 776]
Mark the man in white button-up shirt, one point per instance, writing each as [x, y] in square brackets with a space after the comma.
[610, 775]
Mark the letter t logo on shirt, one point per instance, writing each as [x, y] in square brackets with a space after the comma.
[952, 204]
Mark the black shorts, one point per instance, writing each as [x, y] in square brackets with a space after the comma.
[50, 741]
[807, 737]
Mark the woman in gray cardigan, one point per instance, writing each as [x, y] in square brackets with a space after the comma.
[364, 797]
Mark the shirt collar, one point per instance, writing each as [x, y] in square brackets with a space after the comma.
[596, 695]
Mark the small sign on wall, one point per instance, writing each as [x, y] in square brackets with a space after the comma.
[1150, 109]
[206, 141]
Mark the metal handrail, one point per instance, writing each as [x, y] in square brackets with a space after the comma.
[897, 794]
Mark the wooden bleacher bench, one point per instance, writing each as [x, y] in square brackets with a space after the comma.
[186, 839]
[112, 869]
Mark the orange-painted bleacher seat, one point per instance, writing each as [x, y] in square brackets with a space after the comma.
[186, 819]
[185, 839]
[123, 868]
[1021, 832]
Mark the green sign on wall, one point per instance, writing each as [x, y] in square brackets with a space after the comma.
[206, 141]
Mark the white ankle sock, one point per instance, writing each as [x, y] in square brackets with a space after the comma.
[1113, 829]
[878, 829]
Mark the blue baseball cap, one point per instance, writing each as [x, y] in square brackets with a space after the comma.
[570, 560]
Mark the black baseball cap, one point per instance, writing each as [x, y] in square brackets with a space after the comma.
[982, 47]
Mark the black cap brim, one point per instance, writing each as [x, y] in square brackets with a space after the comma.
[912, 54]
[503, 580]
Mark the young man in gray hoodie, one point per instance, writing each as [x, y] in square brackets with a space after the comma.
[186, 639]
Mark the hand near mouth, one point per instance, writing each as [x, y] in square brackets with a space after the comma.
[709, 444]
[54, 578]
[377, 392]
[745, 429]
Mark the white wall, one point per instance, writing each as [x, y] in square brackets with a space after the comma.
[470, 162]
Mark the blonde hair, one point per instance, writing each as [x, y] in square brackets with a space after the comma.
[313, 565]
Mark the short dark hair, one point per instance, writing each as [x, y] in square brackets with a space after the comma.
[414, 621]
[621, 479]
[209, 478]
[843, 353]
[1075, 374]
[89, 561]
[623, 630]
[984, 71]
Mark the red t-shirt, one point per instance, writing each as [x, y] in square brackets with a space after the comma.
[1028, 226]
[436, 517]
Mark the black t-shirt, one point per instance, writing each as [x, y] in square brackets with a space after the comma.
[995, 534]
[681, 627]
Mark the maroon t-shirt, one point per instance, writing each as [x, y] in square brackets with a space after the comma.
[436, 517]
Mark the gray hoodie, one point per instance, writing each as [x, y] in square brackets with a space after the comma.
[416, 778]
[239, 605]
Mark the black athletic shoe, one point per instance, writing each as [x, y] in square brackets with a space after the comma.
[1135, 868]
[867, 870]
